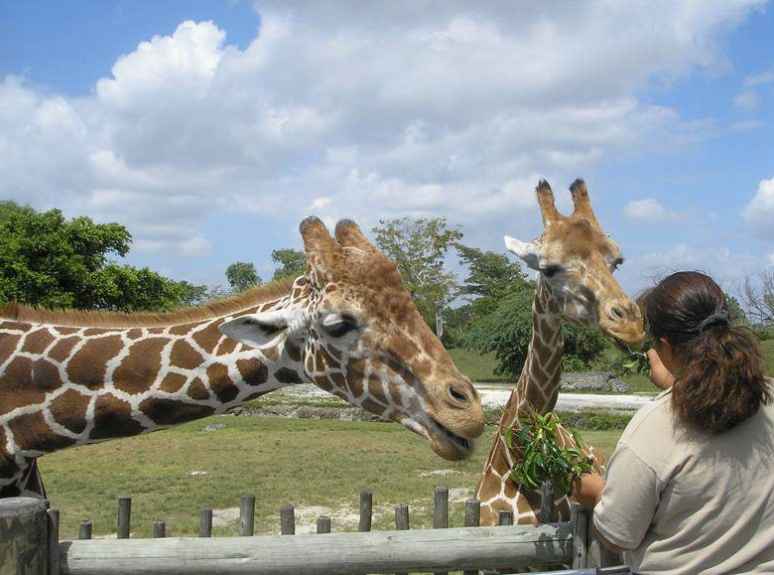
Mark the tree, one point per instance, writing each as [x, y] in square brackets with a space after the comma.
[290, 263]
[507, 332]
[491, 277]
[759, 298]
[419, 248]
[242, 276]
[50, 261]
[738, 317]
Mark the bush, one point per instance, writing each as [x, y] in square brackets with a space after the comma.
[507, 332]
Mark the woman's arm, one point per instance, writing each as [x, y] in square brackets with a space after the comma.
[587, 490]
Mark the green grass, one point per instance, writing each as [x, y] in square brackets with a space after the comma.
[476, 366]
[281, 461]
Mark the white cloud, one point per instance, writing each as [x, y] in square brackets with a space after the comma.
[745, 126]
[770, 259]
[443, 108]
[720, 262]
[649, 210]
[759, 79]
[759, 212]
[747, 100]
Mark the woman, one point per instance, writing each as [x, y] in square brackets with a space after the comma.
[690, 486]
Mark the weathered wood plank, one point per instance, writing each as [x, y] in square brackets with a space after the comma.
[23, 536]
[323, 524]
[376, 552]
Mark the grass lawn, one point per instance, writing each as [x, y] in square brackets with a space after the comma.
[306, 463]
[476, 366]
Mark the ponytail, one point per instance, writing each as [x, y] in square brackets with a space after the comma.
[722, 381]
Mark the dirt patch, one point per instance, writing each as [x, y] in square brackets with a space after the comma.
[305, 412]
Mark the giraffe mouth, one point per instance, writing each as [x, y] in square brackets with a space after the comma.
[462, 444]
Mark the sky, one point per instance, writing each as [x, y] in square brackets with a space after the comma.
[210, 129]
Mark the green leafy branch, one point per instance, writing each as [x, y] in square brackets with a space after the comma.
[542, 458]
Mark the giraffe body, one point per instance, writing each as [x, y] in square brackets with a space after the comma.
[575, 261]
[73, 378]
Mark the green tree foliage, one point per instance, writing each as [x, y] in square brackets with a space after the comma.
[290, 264]
[50, 261]
[419, 247]
[735, 311]
[508, 329]
[242, 276]
[491, 277]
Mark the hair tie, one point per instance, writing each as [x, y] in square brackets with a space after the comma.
[718, 318]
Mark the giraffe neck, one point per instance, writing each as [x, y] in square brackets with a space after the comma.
[538, 384]
[537, 388]
[67, 386]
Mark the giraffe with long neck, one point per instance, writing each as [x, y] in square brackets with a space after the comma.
[71, 378]
[574, 261]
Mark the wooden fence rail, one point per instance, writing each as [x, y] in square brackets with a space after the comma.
[30, 545]
[424, 550]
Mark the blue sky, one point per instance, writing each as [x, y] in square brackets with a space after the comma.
[210, 129]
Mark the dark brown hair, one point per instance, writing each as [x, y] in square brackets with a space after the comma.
[722, 381]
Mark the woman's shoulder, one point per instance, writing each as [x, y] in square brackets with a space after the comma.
[655, 416]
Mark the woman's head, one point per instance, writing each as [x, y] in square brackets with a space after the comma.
[718, 367]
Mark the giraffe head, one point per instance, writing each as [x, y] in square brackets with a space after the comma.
[575, 260]
[359, 336]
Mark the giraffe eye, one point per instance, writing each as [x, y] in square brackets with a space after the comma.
[338, 326]
[551, 271]
[616, 264]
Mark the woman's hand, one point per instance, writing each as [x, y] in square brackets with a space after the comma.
[659, 374]
[587, 489]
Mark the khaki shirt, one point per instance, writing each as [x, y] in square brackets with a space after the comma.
[687, 502]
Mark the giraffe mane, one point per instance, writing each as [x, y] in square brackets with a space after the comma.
[15, 311]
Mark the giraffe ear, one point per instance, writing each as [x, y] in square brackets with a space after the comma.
[260, 330]
[529, 253]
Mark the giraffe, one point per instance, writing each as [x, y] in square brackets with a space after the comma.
[69, 378]
[575, 262]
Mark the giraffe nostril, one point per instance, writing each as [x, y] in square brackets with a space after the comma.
[617, 312]
[457, 395]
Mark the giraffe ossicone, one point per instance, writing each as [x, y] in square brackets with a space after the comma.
[70, 378]
[574, 260]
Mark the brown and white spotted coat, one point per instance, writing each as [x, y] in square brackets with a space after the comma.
[72, 378]
[575, 262]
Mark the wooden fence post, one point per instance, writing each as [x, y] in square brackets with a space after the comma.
[124, 528]
[546, 511]
[366, 510]
[205, 523]
[23, 536]
[472, 519]
[246, 515]
[506, 517]
[159, 530]
[580, 538]
[288, 520]
[402, 520]
[323, 524]
[85, 530]
[53, 542]
[441, 512]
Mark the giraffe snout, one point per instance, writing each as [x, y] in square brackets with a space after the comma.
[624, 322]
[460, 395]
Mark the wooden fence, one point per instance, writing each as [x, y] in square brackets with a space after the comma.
[30, 545]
